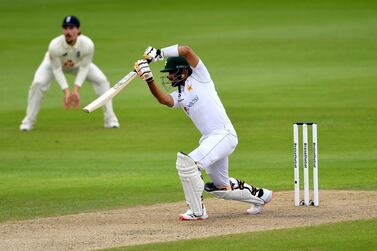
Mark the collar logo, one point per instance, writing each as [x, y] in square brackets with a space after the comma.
[189, 87]
[180, 98]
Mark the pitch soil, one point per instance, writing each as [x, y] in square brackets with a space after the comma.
[159, 223]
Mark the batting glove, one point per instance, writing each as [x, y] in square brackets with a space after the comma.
[142, 69]
[152, 54]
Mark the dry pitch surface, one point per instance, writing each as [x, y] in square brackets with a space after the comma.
[159, 223]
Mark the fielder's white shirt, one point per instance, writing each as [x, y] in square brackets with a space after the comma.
[65, 57]
[200, 102]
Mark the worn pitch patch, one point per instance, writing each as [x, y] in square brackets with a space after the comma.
[159, 223]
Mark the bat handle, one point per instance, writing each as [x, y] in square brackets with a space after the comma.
[148, 60]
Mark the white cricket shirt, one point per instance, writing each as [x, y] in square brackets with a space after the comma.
[65, 57]
[200, 102]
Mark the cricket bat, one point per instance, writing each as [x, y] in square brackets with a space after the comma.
[109, 94]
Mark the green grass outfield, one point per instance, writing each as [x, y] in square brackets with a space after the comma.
[354, 235]
[272, 63]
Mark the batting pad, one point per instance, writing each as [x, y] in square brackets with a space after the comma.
[192, 182]
[238, 193]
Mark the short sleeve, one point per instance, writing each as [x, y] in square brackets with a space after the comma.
[200, 73]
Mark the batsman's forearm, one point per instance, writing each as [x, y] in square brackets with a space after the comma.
[162, 97]
[183, 51]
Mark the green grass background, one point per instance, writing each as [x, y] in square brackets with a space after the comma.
[273, 63]
[355, 235]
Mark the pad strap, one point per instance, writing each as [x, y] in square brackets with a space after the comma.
[240, 191]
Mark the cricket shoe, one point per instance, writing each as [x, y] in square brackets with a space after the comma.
[26, 126]
[189, 215]
[112, 123]
[258, 208]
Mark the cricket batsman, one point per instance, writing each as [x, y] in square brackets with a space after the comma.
[197, 97]
[70, 53]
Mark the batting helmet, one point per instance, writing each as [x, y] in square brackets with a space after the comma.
[173, 64]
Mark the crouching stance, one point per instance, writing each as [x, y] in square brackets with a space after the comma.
[197, 97]
[70, 53]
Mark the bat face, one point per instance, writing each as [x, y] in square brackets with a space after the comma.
[109, 94]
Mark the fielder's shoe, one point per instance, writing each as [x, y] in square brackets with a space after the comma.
[189, 215]
[258, 208]
[26, 126]
[112, 123]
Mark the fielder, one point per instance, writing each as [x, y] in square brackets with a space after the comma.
[197, 97]
[70, 53]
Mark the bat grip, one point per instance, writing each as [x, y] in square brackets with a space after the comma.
[148, 60]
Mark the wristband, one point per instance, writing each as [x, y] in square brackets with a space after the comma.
[171, 51]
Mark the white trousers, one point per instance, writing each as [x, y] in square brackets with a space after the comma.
[212, 155]
[42, 82]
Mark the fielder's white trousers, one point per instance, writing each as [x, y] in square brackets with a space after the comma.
[212, 155]
[42, 82]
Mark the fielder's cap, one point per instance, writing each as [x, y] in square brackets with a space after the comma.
[71, 21]
[175, 63]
